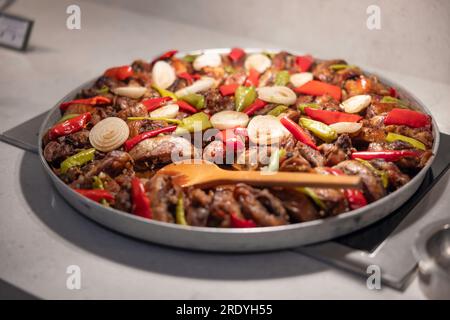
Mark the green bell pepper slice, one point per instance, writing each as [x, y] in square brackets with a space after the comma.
[165, 93]
[194, 99]
[197, 122]
[78, 159]
[243, 97]
[320, 129]
[282, 78]
[340, 66]
[277, 110]
[391, 137]
[301, 106]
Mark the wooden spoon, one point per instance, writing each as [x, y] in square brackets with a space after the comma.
[206, 173]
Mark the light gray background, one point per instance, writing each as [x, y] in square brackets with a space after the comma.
[40, 235]
[414, 37]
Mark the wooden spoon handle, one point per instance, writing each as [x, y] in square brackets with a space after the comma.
[287, 179]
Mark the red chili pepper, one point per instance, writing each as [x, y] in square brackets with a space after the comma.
[236, 54]
[298, 132]
[186, 106]
[304, 62]
[319, 88]
[237, 222]
[90, 101]
[130, 143]
[228, 89]
[354, 197]
[96, 194]
[155, 103]
[69, 126]
[165, 56]
[388, 155]
[141, 203]
[407, 117]
[231, 140]
[186, 76]
[393, 92]
[252, 78]
[255, 106]
[330, 117]
[120, 73]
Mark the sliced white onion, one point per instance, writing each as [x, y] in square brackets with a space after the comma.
[207, 60]
[266, 129]
[356, 104]
[258, 61]
[277, 94]
[163, 74]
[109, 134]
[203, 84]
[130, 92]
[169, 111]
[229, 119]
[346, 127]
[299, 79]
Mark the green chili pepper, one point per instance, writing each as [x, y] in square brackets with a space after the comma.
[282, 153]
[103, 90]
[302, 106]
[274, 161]
[391, 137]
[68, 116]
[229, 69]
[320, 129]
[381, 173]
[389, 99]
[244, 96]
[282, 78]
[168, 120]
[277, 110]
[77, 159]
[194, 99]
[164, 92]
[190, 57]
[310, 193]
[341, 66]
[197, 122]
[98, 184]
[180, 216]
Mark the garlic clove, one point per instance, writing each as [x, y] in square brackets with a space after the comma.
[299, 79]
[356, 104]
[207, 60]
[346, 127]
[258, 61]
[277, 94]
[109, 134]
[169, 111]
[130, 92]
[203, 84]
[163, 74]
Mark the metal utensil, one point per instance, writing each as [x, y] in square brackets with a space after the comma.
[432, 251]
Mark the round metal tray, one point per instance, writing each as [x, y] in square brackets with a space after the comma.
[236, 240]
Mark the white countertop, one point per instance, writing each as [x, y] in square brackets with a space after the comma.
[40, 235]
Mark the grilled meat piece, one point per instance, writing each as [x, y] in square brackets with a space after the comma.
[338, 151]
[261, 206]
[395, 176]
[197, 206]
[215, 102]
[63, 147]
[365, 85]
[223, 205]
[163, 149]
[163, 195]
[297, 205]
[378, 108]
[372, 185]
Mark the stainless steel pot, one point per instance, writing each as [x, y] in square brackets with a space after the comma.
[236, 240]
